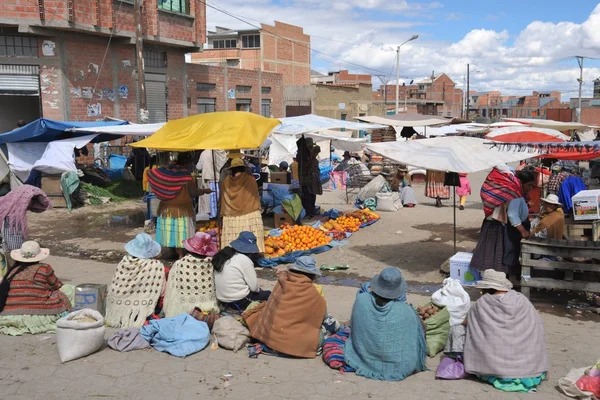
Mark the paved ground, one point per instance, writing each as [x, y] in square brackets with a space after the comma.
[87, 244]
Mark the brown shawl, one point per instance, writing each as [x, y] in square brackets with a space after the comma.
[290, 321]
[239, 195]
[554, 223]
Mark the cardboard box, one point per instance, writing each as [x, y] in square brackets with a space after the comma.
[92, 296]
[280, 177]
[586, 205]
[460, 269]
[280, 219]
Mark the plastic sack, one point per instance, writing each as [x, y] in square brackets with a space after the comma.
[450, 369]
[568, 385]
[455, 298]
[230, 334]
[79, 334]
[388, 201]
[438, 328]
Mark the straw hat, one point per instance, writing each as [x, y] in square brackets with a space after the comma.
[30, 251]
[493, 279]
[552, 199]
[236, 162]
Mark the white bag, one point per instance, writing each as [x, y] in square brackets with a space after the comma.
[455, 298]
[230, 333]
[76, 339]
[388, 201]
[568, 385]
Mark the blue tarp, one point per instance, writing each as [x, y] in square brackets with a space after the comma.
[47, 130]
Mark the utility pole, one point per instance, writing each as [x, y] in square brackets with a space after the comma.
[385, 85]
[397, 79]
[139, 47]
[468, 97]
[580, 62]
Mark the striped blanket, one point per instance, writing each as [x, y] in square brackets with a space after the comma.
[499, 188]
[333, 350]
[167, 182]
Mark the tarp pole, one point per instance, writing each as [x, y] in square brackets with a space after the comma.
[217, 196]
[454, 189]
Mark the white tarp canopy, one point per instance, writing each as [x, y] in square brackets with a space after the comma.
[312, 123]
[548, 123]
[406, 120]
[452, 154]
[125, 130]
[6, 175]
[284, 148]
[51, 158]
[449, 129]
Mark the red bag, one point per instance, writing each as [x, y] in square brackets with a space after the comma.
[589, 384]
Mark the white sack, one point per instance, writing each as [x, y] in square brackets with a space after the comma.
[388, 201]
[230, 333]
[455, 298]
[76, 339]
[568, 385]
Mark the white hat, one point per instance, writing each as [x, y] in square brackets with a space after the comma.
[29, 252]
[552, 199]
[493, 279]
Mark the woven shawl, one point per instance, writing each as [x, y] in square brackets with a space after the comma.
[14, 206]
[239, 195]
[191, 284]
[386, 343]
[167, 182]
[290, 321]
[134, 292]
[505, 338]
[499, 188]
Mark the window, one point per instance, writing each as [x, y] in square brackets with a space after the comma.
[206, 105]
[243, 105]
[251, 41]
[206, 87]
[224, 43]
[265, 90]
[265, 108]
[179, 6]
[18, 46]
[155, 59]
[243, 89]
[233, 63]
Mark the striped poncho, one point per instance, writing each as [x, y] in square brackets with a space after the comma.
[499, 188]
[167, 182]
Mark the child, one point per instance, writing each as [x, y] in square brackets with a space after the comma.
[464, 190]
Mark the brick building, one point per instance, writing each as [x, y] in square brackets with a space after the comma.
[342, 76]
[278, 48]
[436, 95]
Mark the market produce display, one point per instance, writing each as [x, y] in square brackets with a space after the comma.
[209, 226]
[293, 239]
[427, 311]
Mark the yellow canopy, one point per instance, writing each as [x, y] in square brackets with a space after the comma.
[211, 131]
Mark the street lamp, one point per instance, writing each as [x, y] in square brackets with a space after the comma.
[414, 37]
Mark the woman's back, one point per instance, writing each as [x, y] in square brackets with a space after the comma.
[386, 342]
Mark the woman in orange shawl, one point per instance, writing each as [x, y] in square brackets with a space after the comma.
[290, 321]
[240, 206]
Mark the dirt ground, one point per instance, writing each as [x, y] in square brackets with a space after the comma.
[87, 244]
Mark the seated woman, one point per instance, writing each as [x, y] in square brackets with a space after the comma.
[401, 184]
[191, 282]
[35, 297]
[551, 222]
[236, 282]
[505, 343]
[397, 348]
[290, 321]
[137, 285]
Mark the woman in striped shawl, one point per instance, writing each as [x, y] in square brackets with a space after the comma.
[506, 220]
[175, 188]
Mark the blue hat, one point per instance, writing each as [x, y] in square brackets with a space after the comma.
[143, 247]
[306, 264]
[284, 165]
[245, 243]
[389, 284]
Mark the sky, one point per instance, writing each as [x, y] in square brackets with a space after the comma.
[514, 46]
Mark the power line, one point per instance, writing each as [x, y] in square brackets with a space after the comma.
[205, 2]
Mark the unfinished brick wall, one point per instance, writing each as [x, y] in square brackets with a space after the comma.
[229, 78]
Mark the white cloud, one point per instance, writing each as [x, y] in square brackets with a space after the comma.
[454, 17]
[513, 62]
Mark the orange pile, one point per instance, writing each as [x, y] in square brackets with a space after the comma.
[348, 223]
[295, 238]
[209, 226]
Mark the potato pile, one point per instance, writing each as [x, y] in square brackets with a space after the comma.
[427, 311]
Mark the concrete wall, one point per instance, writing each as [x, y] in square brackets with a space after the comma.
[333, 101]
